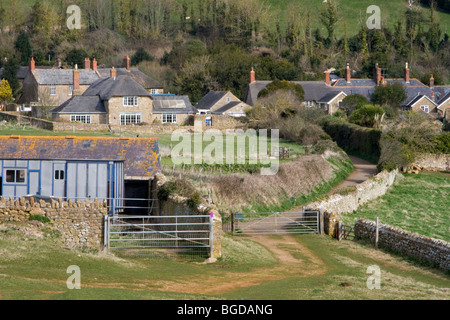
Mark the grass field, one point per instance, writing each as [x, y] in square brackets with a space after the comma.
[354, 13]
[33, 267]
[418, 203]
[351, 11]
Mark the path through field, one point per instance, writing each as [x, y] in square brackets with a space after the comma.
[295, 260]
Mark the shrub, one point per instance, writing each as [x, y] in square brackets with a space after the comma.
[39, 218]
[365, 115]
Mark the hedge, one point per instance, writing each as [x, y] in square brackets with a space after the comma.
[353, 138]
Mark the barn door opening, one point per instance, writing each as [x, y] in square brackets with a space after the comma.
[136, 193]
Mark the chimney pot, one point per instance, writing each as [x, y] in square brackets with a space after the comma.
[328, 77]
[348, 74]
[252, 76]
[113, 73]
[407, 80]
[32, 64]
[126, 62]
[76, 78]
[94, 64]
[431, 81]
[377, 74]
[87, 63]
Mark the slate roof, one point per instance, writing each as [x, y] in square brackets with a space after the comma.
[21, 73]
[444, 98]
[314, 90]
[210, 99]
[81, 104]
[329, 96]
[318, 90]
[417, 98]
[172, 104]
[140, 155]
[140, 77]
[120, 86]
[226, 107]
[64, 76]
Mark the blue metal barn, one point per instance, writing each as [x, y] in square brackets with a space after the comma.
[74, 167]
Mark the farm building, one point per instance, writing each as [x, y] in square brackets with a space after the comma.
[77, 167]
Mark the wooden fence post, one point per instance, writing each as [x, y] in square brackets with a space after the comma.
[339, 230]
[376, 233]
[232, 222]
[322, 225]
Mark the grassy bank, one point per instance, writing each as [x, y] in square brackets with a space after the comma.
[341, 170]
[418, 203]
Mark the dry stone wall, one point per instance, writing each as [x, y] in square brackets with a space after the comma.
[176, 205]
[370, 189]
[433, 251]
[433, 162]
[81, 223]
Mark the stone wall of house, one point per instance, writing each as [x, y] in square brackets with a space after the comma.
[433, 251]
[370, 189]
[81, 223]
[433, 162]
[115, 107]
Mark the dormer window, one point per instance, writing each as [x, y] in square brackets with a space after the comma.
[130, 101]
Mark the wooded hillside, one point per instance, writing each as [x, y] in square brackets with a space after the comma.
[192, 46]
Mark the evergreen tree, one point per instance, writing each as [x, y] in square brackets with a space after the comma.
[23, 47]
[10, 74]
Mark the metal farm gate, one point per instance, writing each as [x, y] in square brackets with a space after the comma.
[275, 222]
[190, 232]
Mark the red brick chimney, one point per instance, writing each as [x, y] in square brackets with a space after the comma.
[327, 77]
[252, 76]
[76, 78]
[348, 74]
[377, 74]
[94, 64]
[32, 64]
[126, 62]
[406, 73]
[87, 63]
[113, 73]
[432, 96]
[431, 81]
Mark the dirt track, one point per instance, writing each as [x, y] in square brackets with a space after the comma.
[363, 171]
[295, 260]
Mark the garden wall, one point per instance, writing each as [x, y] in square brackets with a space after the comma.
[433, 251]
[81, 223]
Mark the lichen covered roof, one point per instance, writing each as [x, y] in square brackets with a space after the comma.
[140, 155]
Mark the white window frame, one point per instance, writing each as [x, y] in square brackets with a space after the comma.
[53, 90]
[154, 91]
[425, 108]
[169, 118]
[130, 101]
[130, 118]
[83, 118]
